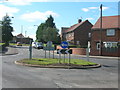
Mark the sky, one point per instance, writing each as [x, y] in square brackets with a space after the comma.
[28, 14]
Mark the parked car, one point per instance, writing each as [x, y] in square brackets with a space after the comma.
[34, 44]
[19, 44]
[39, 45]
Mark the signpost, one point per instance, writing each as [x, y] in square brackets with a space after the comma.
[49, 47]
[64, 51]
[88, 51]
[64, 45]
[30, 49]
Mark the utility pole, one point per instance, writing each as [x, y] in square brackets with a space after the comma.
[21, 33]
[25, 33]
[100, 51]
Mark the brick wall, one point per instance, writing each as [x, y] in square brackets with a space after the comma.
[96, 38]
[81, 33]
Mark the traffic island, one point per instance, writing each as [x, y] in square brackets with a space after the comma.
[56, 63]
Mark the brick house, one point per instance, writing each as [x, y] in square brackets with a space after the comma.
[110, 37]
[63, 33]
[78, 34]
[22, 39]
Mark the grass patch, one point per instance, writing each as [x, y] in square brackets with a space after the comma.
[22, 44]
[2, 43]
[49, 61]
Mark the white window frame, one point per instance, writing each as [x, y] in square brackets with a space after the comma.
[110, 44]
[89, 35]
[98, 46]
[110, 32]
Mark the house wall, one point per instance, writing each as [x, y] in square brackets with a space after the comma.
[96, 38]
[70, 37]
[63, 34]
[23, 40]
[81, 34]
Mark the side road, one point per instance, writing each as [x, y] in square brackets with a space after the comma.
[13, 50]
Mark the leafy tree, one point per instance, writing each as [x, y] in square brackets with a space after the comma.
[49, 22]
[7, 30]
[39, 32]
[48, 32]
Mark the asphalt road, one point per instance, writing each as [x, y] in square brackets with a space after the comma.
[16, 76]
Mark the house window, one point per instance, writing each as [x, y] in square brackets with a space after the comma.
[110, 32]
[98, 46]
[110, 44]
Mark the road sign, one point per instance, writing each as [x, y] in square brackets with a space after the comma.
[68, 51]
[49, 44]
[64, 51]
[49, 48]
[64, 45]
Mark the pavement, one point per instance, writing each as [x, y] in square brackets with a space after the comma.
[13, 50]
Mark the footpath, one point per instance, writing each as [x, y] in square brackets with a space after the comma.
[10, 51]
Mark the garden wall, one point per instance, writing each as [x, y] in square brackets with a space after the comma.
[77, 51]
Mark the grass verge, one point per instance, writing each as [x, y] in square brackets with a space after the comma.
[50, 61]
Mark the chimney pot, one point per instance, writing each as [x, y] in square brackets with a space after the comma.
[79, 20]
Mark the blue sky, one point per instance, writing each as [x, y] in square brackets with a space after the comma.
[27, 13]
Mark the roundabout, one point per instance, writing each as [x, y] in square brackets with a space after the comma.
[54, 63]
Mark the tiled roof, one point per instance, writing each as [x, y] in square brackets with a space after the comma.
[72, 28]
[108, 22]
[64, 29]
[20, 35]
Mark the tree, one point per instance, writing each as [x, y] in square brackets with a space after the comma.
[39, 32]
[7, 30]
[49, 22]
[48, 32]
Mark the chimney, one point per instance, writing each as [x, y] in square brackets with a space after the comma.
[79, 20]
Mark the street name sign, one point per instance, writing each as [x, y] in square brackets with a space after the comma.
[49, 46]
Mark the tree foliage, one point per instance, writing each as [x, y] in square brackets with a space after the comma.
[48, 32]
[7, 30]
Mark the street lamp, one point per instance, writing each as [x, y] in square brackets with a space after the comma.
[100, 51]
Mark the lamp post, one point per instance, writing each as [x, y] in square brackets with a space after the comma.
[100, 51]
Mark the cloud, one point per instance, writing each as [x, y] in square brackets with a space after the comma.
[19, 2]
[90, 18]
[85, 9]
[24, 2]
[104, 8]
[93, 8]
[9, 10]
[35, 16]
[15, 34]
